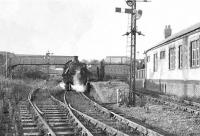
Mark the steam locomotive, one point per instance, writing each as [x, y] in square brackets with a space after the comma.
[75, 72]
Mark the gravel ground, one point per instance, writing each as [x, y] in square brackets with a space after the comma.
[160, 116]
[170, 120]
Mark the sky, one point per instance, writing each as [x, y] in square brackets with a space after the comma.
[90, 29]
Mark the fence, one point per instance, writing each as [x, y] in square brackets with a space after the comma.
[140, 74]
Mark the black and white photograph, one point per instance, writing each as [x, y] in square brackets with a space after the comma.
[99, 68]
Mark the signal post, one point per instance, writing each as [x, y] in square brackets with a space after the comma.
[134, 16]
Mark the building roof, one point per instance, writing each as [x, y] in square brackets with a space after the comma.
[116, 57]
[35, 55]
[176, 35]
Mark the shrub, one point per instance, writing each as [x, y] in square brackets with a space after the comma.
[12, 91]
[29, 72]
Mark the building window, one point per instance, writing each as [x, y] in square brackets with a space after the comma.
[194, 53]
[148, 58]
[162, 54]
[155, 62]
[180, 53]
[172, 58]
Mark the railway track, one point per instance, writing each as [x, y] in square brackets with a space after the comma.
[185, 106]
[77, 116]
[29, 126]
[56, 118]
[105, 119]
[43, 115]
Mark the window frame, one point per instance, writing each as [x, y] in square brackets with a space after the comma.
[155, 62]
[162, 54]
[148, 58]
[172, 58]
[194, 53]
[180, 56]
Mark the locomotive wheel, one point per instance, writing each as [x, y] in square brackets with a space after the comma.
[88, 87]
[68, 87]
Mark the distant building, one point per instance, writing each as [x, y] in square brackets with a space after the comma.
[119, 67]
[117, 59]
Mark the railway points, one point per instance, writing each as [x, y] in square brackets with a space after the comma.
[158, 115]
[102, 121]
[96, 111]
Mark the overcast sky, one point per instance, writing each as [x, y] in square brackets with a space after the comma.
[88, 28]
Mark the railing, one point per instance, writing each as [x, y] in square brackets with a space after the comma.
[140, 74]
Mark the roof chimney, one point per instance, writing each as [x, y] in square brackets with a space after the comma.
[167, 31]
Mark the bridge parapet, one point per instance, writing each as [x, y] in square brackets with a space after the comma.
[16, 60]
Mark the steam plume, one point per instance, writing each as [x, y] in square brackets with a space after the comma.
[62, 85]
[78, 87]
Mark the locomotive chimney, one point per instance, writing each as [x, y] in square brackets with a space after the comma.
[167, 31]
[75, 59]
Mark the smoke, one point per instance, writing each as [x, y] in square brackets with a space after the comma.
[78, 87]
[62, 85]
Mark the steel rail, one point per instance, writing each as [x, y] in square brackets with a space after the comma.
[79, 124]
[192, 103]
[140, 128]
[174, 104]
[97, 123]
[109, 129]
[178, 106]
[39, 115]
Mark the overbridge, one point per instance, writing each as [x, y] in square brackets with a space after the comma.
[59, 61]
[13, 60]
[8, 61]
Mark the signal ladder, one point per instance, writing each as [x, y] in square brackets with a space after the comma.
[128, 41]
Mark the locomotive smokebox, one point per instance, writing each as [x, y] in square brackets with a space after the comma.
[75, 75]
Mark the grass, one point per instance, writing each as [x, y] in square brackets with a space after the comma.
[56, 91]
[11, 93]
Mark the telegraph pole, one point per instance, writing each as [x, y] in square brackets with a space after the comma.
[48, 61]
